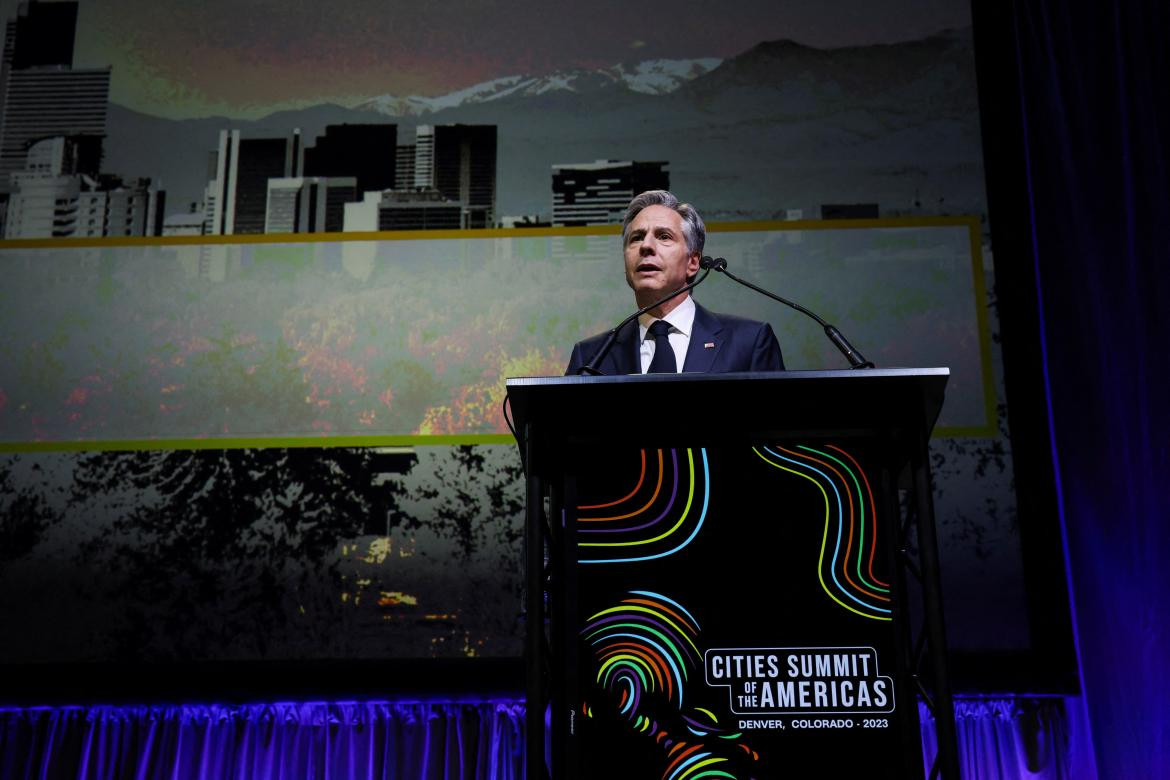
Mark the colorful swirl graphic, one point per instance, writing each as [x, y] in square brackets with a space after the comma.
[717, 753]
[661, 515]
[644, 645]
[645, 650]
[849, 542]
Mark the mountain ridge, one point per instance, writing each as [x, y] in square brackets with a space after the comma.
[648, 77]
[782, 122]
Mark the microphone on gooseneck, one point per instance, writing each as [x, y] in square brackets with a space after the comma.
[590, 368]
[855, 358]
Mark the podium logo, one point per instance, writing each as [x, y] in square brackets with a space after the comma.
[800, 680]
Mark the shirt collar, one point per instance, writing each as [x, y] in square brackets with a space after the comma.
[681, 318]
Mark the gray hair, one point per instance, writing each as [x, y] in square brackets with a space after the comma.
[694, 230]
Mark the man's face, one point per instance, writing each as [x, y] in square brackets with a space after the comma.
[657, 261]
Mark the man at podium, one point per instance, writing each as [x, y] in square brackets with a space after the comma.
[662, 242]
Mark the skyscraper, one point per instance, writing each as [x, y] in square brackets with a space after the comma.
[460, 162]
[597, 193]
[404, 167]
[41, 35]
[309, 204]
[46, 103]
[41, 94]
[56, 197]
[365, 152]
[118, 208]
[236, 199]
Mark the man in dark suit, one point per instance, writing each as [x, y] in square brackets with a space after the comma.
[662, 242]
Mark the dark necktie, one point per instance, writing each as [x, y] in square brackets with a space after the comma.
[664, 361]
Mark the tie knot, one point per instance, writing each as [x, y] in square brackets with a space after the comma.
[659, 328]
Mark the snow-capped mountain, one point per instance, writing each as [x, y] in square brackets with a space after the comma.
[651, 77]
[780, 123]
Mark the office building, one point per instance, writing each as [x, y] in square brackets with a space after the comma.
[43, 206]
[420, 209]
[190, 224]
[404, 166]
[52, 198]
[112, 207]
[367, 153]
[597, 193]
[459, 161]
[236, 199]
[44, 103]
[41, 94]
[41, 35]
[308, 204]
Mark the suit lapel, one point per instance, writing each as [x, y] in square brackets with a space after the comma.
[705, 342]
[624, 355]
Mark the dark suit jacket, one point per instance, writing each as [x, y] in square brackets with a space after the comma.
[720, 343]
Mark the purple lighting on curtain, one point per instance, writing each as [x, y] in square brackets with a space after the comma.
[477, 739]
[1054, 450]
[1016, 738]
[1038, 738]
[1095, 115]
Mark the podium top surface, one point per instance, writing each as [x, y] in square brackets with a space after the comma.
[700, 404]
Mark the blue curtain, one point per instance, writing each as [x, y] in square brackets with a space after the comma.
[1016, 738]
[321, 740]
[999, 739]
[1092, 88]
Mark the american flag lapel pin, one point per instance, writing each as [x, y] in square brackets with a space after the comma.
[709, 345]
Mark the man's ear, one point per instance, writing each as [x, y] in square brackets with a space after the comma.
[693, 264]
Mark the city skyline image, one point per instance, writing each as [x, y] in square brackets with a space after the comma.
[764, 132]
[365, 124]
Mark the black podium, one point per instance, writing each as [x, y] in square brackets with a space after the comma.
[719, 571]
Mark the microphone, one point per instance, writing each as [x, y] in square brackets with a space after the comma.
[590, 368]
[855, 358]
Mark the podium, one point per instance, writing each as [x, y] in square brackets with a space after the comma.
[719, 571]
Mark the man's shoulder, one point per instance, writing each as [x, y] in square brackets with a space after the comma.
[586, 350]
[593, 343]
[748, 345]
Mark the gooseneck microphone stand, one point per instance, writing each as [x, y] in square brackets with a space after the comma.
[855, 358]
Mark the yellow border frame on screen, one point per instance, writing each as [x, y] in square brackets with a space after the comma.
[989, 428]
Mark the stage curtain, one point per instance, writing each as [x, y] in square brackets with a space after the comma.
[1000, 739]
[1013, 739]
[424, 740]
[1094, 96]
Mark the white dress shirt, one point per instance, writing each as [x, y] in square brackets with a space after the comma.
[681, 320]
